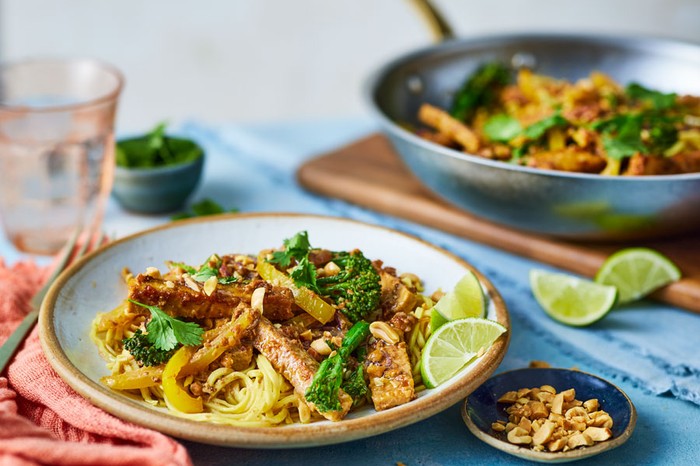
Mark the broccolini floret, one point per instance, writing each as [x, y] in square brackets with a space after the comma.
[356, 288]
[323, 392]
[144, 351]
[356, 386]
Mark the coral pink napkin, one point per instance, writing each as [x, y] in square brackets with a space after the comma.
[42, 420]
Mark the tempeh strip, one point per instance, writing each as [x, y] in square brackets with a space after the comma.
[449, 126]
[390, 374]
[290, 359]
[189, 301]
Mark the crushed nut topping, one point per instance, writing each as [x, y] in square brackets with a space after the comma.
[546, 420]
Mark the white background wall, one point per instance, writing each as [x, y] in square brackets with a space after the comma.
[254, 60]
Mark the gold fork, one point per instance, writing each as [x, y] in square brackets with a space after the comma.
[8, 349]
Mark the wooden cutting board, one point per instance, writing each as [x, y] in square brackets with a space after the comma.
[369, 173]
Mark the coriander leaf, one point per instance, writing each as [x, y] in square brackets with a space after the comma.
[156, 136]
[210, 268]
[204, 273]
[165, 332]
[160, 332]
[502, 128]
[183, 150]
[121, 157]
[296, 247]
[618, 149]
[610, 124]
[627, 141]
[207, 207]
[656, 99]
[181, 216]
[187, 268]
[156, 149]
[519, 152]
[479, 90]
[136, 153]
[539, 128]
[227, 280]
[202, 208]
[187, 333]
[662, 136]
[299, 242]
[304, 274]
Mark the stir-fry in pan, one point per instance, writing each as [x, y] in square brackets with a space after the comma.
[594, 125]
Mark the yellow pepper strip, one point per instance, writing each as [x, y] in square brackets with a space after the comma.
[139, 378]
[612, 168]
[174, 393]
[229, 337]
[304, 297]
[556, 139]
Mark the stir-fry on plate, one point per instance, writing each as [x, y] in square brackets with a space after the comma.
[87, 321]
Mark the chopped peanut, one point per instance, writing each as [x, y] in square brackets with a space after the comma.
[544, 434]
[591, 405]
[545, 420]
[598, 434]
[557, 403]
[519, 436]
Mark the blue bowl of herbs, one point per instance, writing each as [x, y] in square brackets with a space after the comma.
[156, 173]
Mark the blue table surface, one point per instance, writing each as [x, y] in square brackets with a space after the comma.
[252, 168]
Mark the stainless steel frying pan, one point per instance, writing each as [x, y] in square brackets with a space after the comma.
[570, 205]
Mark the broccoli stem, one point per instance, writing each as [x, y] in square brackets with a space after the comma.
[323, 392]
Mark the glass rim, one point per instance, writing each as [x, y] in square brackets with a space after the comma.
[113, 94]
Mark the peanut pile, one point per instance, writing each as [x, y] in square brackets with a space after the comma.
[546, 420]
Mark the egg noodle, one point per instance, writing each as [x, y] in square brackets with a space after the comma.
[256, 396]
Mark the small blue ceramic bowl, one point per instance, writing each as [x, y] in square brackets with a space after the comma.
[157, 190]
[481, 409]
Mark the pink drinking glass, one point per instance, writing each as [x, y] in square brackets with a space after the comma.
[56, 148]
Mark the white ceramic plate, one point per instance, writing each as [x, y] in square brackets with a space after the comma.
[94, 285]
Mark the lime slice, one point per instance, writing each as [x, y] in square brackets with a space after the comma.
[454, 345]
[571, 300]
[465, 300]
[637, 272]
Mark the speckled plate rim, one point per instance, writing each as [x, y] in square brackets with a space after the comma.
[429, 402]
[549, 457]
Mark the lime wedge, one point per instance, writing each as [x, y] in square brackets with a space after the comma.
[571, 300]
[465, 300]
[637, 272]
[454, 345]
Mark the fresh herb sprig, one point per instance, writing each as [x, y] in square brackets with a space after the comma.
[155, 149]
[480, 90]
[656, 99]
[621, 135]
[505, 128]
[210, 268]
[297, 247]
[203, 208]
[355, 289]
[165, 332]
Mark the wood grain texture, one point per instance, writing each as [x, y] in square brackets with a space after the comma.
[368, 173]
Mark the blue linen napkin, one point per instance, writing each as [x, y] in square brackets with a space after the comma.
[651, 345]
